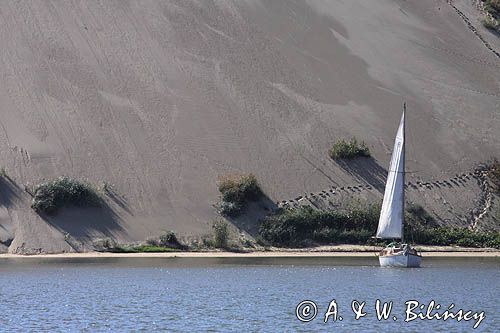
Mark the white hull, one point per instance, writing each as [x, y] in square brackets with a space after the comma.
[400, 260]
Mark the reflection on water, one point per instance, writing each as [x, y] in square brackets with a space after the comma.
[235, 294]
[12, 263]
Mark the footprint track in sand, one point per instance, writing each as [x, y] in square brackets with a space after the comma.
[479, 174]
[473, 28]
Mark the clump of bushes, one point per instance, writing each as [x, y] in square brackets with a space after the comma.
[491, 21]
[343, 149]
[456, 236]
[230, 209]
[166, 240]
[492, 7]
[297, 227]
[221, 234]
[236, 192]
[3, 172]
[51, 196]
[104, 244]
[169, 239]
[357, 224]
[422, 228]
[140, 249]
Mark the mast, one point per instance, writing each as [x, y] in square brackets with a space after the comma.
[404, 168]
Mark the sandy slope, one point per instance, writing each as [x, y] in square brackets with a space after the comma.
[160, 98]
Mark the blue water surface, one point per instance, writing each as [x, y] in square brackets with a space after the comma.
[238, 294]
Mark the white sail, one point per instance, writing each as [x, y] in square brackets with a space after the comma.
[390, 224]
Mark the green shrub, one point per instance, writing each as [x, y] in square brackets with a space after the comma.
[104, 244]
[152, 248]
[236, 192]
[491, 20]
[221, 234]
[492, 7]
[357, 224]
[3, 173]
[169, 239]
[139, 249]
[348, 150]
[490, 23]
[249, 187]
[294, 227]
[166, 240]
[51, 196]
[456, 236]
[231, 209]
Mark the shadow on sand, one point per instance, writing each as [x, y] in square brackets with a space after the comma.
[367, 170]
[119, 200]
[9, 192]
[83, 225]
[251, 217]
[85, 222]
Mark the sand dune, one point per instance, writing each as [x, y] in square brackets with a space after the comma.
[159, 98]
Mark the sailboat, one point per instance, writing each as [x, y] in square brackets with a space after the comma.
[390, 225]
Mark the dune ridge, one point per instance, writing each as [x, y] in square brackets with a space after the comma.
[158, 99]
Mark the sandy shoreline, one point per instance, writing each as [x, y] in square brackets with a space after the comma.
[436, 252]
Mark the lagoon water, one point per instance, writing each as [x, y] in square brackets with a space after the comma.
[238, 294]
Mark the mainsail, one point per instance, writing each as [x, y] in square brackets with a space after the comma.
[390, 224]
